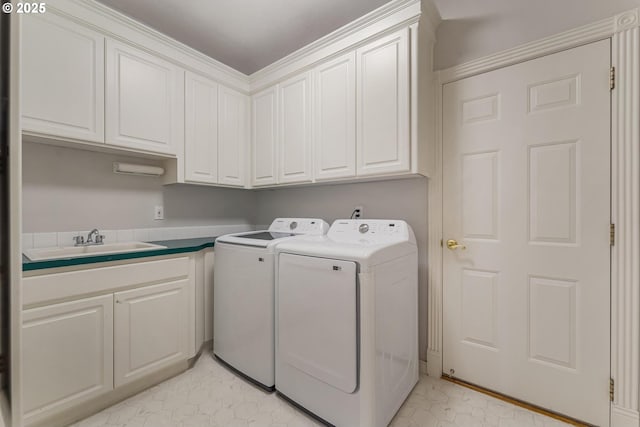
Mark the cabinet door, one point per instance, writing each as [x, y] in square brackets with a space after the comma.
[63, 78]
[383, 142]
[233, 134]
[201, 129]
[67, 355]
[145, 100]
[264, 137]
[151, 329]
[335, 118]
[295, 129]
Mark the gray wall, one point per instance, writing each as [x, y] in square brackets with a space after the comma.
[399, 199]
[471, 29]
[67, 189]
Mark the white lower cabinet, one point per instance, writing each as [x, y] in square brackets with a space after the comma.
[77, 354]
[151, 329]
[71, 355]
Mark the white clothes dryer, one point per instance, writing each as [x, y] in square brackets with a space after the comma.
[243, 296]
[347, 321]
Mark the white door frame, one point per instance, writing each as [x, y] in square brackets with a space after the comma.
[624, 32]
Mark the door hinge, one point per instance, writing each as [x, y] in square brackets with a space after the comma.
[612, 234]
[612, 78]
[611, 389]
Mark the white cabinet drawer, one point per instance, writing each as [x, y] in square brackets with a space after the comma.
[69, 284]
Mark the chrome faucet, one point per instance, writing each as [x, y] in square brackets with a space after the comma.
[92, 233]
[93, 238]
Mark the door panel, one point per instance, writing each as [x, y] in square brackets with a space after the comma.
[383, 144]
[334, 118]
[264, 137]
[201, 129]
[63, 66]
[67, 355]
[151, 330]
[295, 129]
[527, 190]
[145, 100]
[317, 318]
[233, 136]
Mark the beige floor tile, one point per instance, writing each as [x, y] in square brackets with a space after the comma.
[208, 395]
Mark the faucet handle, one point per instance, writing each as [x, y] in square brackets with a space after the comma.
[99, 239]
[79, 240]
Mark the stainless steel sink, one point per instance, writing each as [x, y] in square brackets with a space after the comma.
[41, 254]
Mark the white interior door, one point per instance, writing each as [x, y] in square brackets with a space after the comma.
[526, 190]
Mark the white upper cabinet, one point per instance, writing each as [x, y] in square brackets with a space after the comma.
[233, 125]
[145, 100]
[201, 129]
[62, 78]
[264, 137]
[354, 106]
[335, 118]
[295, 129]
[383, 139]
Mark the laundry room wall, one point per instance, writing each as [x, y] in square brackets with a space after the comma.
[68, 189]
[469, 30]
[404, 199]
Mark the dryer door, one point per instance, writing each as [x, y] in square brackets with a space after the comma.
[317, 320]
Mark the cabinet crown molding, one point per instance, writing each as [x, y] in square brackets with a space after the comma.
[387, 17]
[67, 8]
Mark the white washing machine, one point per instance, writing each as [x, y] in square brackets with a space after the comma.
[347, 321]
[243, 296]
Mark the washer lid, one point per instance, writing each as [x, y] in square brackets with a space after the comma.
[364, 241]
[261, 239]
[280, 228]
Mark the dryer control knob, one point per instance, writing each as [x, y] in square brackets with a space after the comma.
[363, 228]
[293, 225]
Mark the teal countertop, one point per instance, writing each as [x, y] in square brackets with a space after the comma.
[177, 246]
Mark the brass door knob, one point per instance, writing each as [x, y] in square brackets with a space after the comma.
[453, 245]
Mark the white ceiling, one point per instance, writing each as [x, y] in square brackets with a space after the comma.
[251, 34]
[245, 34]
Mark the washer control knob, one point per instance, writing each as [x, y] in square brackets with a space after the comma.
[293, 225]
[363, 228]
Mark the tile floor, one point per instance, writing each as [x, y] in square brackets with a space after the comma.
[208, 395]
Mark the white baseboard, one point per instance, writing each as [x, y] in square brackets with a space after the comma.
[622, 417]
[423, 367]
[434, 364]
